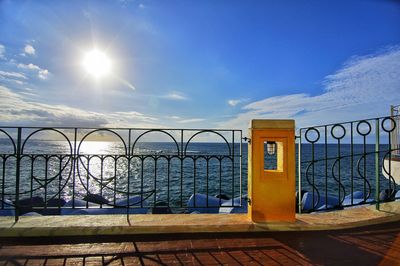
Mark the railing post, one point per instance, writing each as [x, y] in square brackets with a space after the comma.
[17, 174]
[377, 183]
[272, 191]
[299, 173]
[129, 177]
[75, 164]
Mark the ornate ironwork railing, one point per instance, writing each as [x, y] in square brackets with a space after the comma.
[395, 134]
[346, 164]
[59, 170]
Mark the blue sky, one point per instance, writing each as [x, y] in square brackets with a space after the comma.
[198, 64]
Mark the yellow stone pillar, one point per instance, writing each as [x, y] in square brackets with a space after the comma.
[272, 185]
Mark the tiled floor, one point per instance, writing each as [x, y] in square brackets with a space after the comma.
[373, 245]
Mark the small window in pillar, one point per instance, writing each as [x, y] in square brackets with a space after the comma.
[273, 155]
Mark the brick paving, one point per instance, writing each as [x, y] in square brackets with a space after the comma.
[372, 245]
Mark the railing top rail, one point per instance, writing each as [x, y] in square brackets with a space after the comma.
[123, 128]
[348, 122]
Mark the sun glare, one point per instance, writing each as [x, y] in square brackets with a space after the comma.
[97, 63]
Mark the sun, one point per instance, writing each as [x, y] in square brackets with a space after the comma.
[97, 63]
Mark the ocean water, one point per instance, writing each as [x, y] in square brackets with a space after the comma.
[158, 171]
[161, 173]
[354, 171]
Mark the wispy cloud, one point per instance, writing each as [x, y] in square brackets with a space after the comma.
[19, 82]
[29, 66]
[364, 87]
[136, 115]
[126, 83]
[41, 72]
[173, 117]
[5, 74]
[191, 120]
[27, 93]
[2, 51]
[234, 102]
[21, 109]
[16, 109]
[177, 96]
[28, 49]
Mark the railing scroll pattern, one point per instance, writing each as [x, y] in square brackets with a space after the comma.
[53, 169]
[347, 164]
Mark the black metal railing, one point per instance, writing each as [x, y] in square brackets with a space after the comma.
[395, 134]
[346, 164]
[61, 170]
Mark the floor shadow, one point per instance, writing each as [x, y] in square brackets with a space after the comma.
[372, 245]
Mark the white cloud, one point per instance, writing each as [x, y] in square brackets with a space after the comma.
[29, 66]
[28, 49]
[20, 109]
[364, 87]
[176, 96]
[2, 51]
[4, 74]
[23, 109]
[27, 93]
[126, 83]
[42, 73]
[191, 120]
[19, 82]
[174, 117]
[136, 115]
[16, 109]
[234, 102]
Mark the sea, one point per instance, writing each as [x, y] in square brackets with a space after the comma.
[164, 173]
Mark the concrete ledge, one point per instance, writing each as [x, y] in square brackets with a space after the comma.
[118, 224]
[349, 218]
[30, 226]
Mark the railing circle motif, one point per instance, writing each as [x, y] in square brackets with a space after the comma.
[362, 122]
[101, 130]
[103, 182]
[308, 131]
[46, 129]
[44, 181]
[336, 135]
[208, 131]
[11, 139]
[153, 131]
[393, 123]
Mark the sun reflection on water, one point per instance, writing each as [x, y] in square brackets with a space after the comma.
[99, 147]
